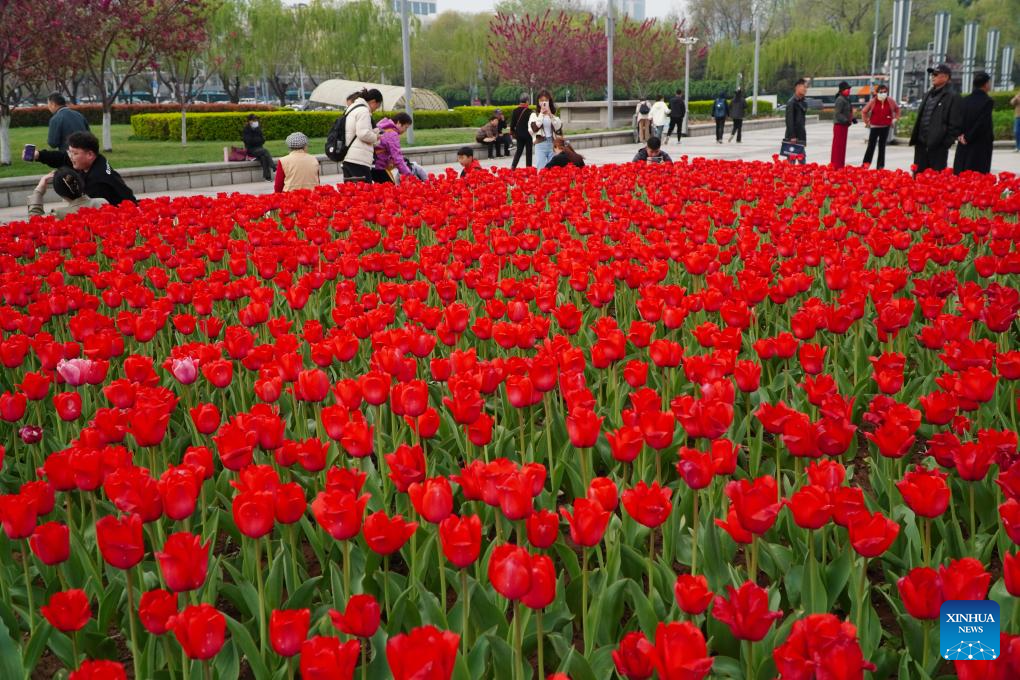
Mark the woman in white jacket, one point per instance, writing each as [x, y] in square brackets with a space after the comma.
[360, 156]
[544, 125]
[660, 116]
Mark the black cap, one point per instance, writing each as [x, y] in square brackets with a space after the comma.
[941, 68]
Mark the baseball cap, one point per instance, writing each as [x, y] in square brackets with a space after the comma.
[941, 68]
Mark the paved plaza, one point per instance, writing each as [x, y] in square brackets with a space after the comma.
[758, 145]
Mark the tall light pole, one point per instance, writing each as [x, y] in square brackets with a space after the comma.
[991, 54]
[405, 37]
[687, 41]
[757, 53]
[1006, 81]
[610, 34]
[970, 35]
[874, 47]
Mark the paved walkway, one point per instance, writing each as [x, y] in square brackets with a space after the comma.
[757, 145]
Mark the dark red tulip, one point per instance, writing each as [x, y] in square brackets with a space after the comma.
[200, 630]
[179, 488]
[543, 583]
[583, 427]
[810, 506]
[745, 611]
[543, 528]
[288, 629]
[99, 670]
[68, 611]
[68, 406]
[206, 418]
[360, 619]
[461, 539]
[156, 609]
[697, 469]
[1011, 573]
[634, 657]
[254, 513]
[407, 466]
[312, 385]
[756, 502]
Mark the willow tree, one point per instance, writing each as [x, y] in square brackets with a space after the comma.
[230, 52]
[357, 40]
[453, 50]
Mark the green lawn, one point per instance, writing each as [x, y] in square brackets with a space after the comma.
[132, 153]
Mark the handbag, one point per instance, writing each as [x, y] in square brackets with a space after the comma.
[237, 154]
[787, 149]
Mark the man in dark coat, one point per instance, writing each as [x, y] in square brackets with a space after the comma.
[796, 118]
[101, 180]
[737, 107]
[677, 113]
[519, 131]
[974, 151]
[939, 122]
[254, 142]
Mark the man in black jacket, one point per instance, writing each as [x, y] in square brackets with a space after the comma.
[520, 132]
[939, 122]
[101, 180]
[677, 113]
[975, 149]
[796, 117]
[254, 142]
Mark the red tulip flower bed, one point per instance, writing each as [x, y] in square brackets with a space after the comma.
[716, 419]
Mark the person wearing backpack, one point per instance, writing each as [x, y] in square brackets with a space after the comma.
[644, 119]
[660, 114]
[720, 109]
[359, 136]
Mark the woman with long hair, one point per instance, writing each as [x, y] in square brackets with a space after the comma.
[359, 133]
[564, 155]
[544, 125]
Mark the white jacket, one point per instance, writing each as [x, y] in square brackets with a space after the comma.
[660, 113]
[536, 121]
[359, 128]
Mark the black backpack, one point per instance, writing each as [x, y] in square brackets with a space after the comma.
[336, 144]
[644, 110]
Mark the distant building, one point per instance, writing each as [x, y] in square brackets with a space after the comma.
[422, 8]
[635, 9]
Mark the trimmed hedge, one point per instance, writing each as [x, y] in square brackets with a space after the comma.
[704, 108]
[1001, 100]
[1002, 124]
[34, 116]
[477, 116]
[227, 127]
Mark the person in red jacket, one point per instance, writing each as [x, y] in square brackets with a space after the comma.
[880, 116]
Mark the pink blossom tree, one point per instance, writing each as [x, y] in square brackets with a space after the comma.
[646, 52]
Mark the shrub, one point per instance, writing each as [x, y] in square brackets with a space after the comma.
[33, 116]
[704, 108]
[1002, 124]
[477, 116]
[1001, 100]
[227, 127]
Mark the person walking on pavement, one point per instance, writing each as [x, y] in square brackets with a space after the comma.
[254, 142]
[720, 109]
[974, 151]
[64, 122]
[843, 118]
[1015, 103]
[737, 107]
[519, 129]
[796, 119]
[677, 113]
[660, 114]
[939, 122]
[880, 115]
[644, 119]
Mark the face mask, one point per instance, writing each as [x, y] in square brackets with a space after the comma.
[882, 96]
[254, 126]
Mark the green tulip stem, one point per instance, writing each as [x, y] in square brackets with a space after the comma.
[749, 653]
[694, 536]
[810, 565]
[465, 613]
[132, 615]
[442, 570]
[862, 577]
[973, 524]
[99, 553]
[752, 565]
[185, 664]
[927, 541]
[539, 635]
[74, 650]
[347, 569]
[518, 642]
[292, 539]
[260, 580]
[548, 436]
[386, 587]
[207, 670]
[585, 476]
[364, 658]
[169, 656]
[926, 630]
[28, 591]
[584, 598]
[651, 560]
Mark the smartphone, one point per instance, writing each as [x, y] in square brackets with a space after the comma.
[29, 153]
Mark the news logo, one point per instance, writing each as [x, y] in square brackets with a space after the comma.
[969, 630]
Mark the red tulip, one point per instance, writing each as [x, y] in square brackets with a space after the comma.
[326, 658]
[340, 513]
[288, 629]
[254, 513]
[510, 571]
[543, 583]
[68, 611]
[543, 528]
[635, 656]
[67, 405]
[99, 670]
[872, 534]
[756, 502]
[826, 645]
[461, 539]
[156, 609]
[360, 619]
[697, 469]
[206, 418]
[18, 515]
[680, 652]
[965, 579]
[121, 541]
[588, 522]
[51, 543]
[648, 505]
[179, 488]
[603, 491]
[810, 506]
[745, 611]
[425, 653]
[692, 593]
[583, 427]
[384, 534]
[432, 499]
[184, 562]
[925, 491]
[407, 466]
[921, 593]
[200, 630]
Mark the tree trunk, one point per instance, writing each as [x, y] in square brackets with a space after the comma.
[5, 138]
[107, 122]
[184, 125]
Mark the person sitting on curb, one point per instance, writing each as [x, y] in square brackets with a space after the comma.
[69, 184]
[652, 153]
[101, 180]
[254, 142]
[298, 169]
[467, 160]
[488, 135]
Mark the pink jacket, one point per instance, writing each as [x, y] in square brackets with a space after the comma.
[387, 150]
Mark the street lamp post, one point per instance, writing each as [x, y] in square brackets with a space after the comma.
[610, 34]
[687, 41]
[757, 52]
[405, 37]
